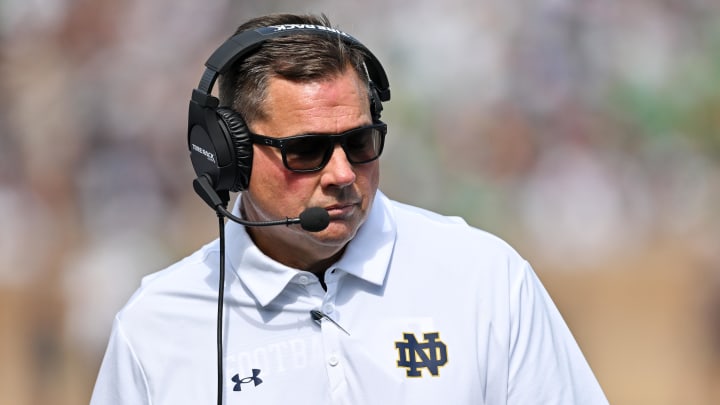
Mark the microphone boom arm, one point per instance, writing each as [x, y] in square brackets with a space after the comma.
[313, 219]
[287, 221]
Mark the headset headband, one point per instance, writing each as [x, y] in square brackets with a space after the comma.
[245, 42]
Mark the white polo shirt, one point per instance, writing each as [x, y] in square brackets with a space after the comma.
[429, 310]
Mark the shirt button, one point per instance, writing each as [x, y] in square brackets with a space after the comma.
[333, 360]
[328, 309]
[304, 280]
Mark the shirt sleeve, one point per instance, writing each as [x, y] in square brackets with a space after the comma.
[121, 380]
[546, 365]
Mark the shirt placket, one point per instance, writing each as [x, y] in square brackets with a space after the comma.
[333, 333]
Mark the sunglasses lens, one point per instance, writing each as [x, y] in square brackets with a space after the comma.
[363, 145]
[307, 152]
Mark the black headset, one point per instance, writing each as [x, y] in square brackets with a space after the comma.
[218, 138]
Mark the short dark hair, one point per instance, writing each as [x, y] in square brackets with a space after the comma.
[299, 58]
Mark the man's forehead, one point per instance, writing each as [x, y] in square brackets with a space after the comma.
[311, 106]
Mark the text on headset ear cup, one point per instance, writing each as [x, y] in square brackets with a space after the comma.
[234, 126]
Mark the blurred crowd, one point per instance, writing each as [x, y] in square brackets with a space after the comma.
[586, 133]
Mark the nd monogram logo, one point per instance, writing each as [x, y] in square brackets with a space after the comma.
[414, 355]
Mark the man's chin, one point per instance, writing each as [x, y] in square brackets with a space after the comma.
[337, 233]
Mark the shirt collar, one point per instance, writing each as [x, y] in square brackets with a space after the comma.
[264, 277]
[367, 256]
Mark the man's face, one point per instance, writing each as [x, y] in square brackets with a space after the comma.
[345, 190]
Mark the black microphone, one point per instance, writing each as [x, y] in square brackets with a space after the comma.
[318, 317]
[313, 219]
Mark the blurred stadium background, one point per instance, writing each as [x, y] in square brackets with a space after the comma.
[586, 133]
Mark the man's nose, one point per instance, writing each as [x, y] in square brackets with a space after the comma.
[338, 171]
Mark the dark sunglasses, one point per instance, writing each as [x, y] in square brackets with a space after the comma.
[310, 153]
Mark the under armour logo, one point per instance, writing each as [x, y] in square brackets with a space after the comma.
[414, 355]
[239, 382]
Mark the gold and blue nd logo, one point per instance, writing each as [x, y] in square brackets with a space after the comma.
[414, 356]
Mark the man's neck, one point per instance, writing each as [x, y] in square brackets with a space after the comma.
[309, 259]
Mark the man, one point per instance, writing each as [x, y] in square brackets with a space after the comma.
[389, 304]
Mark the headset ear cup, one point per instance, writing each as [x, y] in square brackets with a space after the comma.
[376, 106]
[237, 130]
